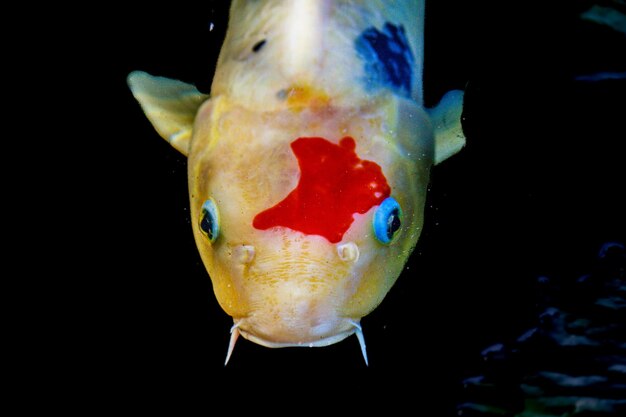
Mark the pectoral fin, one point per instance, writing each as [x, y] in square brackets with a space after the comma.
[446, 119]
[170, 105]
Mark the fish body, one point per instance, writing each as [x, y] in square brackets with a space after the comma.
[309, 162]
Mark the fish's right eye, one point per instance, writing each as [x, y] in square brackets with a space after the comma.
[210, 220]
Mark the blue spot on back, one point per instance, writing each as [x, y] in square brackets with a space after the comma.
[387, 58]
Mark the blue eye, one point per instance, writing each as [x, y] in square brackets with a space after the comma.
[210, 220]
[387, 220]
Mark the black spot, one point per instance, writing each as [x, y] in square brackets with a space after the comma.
[257, 46]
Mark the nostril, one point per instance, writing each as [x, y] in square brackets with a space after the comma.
[246, 253]
[348, 252]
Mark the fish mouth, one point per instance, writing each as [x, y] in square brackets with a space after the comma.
[353, 328]
[319, 342]
[277, 336]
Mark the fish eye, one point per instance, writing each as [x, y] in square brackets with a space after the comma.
[210, 220]
[387, 220]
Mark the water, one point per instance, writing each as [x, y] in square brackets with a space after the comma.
[572, 361]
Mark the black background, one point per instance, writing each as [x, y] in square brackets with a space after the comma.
[537, 190]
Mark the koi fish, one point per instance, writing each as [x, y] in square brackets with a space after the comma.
[308, 163]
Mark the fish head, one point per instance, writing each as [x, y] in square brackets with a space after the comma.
[305, 217]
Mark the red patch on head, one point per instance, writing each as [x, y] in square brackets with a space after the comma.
[334, 185]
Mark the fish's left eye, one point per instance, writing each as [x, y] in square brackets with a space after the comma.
[387, 220]
[210, 220]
